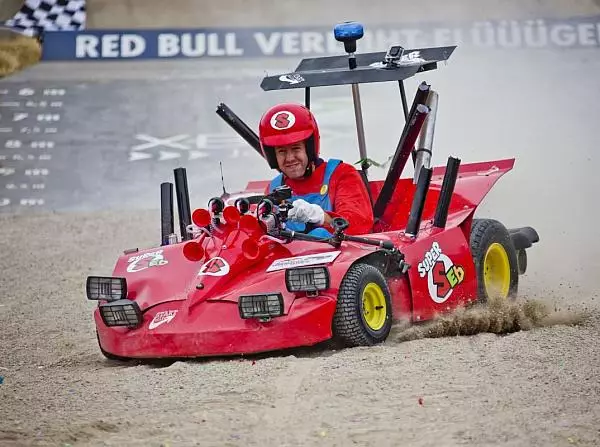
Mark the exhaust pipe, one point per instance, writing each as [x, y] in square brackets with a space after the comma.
[183, 202]
[239, 126]
[398, 162]
[420, 98]
[403, 151]
[425, 142]
[167, 218]
[450, 176]
[418, 203]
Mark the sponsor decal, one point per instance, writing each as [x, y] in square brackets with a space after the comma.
[293, 78]
[146, 260]
[414, 57]
[302, 261]
[283, 120]
[442, 274]
[162, 318]
[538, 33]
[214, 267]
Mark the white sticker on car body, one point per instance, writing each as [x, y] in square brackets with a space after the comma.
[216, 266]
[162, 318]
[146, 260]
[303, 261]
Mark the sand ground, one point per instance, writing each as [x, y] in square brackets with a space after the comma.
[535, 388]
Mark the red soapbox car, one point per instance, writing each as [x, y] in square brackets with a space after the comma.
[235, 281]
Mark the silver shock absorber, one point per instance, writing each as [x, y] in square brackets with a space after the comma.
[425, 141]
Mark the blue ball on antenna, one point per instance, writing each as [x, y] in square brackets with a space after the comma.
[348, 31]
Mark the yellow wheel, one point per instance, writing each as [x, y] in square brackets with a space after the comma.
[363, 315]
[496, 271]
[495, 260]
[373, 306]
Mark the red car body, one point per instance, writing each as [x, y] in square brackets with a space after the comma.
[425, 256]
[182, 318]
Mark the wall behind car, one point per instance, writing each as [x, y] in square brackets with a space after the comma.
[8, 8]
[191, 13]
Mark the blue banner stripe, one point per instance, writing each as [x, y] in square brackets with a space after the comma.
[579, 32]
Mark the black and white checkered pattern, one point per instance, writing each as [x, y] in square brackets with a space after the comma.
[37, 16]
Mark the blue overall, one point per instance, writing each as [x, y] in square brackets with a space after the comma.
[316, 198]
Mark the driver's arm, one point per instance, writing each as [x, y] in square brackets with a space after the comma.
[350, 200]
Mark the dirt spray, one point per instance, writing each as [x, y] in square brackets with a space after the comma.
[498, 316]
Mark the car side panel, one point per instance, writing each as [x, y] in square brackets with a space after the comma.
[442, 274]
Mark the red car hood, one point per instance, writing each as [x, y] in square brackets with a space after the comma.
[156, 275]
[162, 274]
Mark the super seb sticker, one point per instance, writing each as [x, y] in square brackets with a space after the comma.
[442, 274]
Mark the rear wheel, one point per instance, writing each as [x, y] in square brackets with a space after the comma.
[363, 315]
[495, 260]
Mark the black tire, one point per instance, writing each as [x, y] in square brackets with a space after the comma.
[350, 326]
[484, 234]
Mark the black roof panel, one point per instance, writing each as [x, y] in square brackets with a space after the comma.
[334, 70]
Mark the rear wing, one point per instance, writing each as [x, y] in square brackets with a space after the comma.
[370, 67]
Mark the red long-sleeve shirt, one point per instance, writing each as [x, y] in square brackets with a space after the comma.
[347, 192]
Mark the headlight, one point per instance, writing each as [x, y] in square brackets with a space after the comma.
[105, 288]
[307, 279]
[261, 306]
[121, 313]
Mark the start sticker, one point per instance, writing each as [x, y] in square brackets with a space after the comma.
[442, 274]
[162, 318]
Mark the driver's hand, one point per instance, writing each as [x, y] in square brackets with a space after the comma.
[305, 212]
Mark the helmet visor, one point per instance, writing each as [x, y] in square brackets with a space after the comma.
[288, 138]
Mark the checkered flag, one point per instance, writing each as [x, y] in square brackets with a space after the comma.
[37, 16]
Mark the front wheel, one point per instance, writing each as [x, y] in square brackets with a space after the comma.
[363, 315]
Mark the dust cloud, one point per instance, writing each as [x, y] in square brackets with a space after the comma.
[498, 316]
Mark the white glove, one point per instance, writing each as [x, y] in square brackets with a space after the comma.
[305, 212]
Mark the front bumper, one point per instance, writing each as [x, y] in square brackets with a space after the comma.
[216, 329]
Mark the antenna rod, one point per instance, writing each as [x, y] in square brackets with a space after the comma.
[349, 33]
[222, 179]
[360, 129]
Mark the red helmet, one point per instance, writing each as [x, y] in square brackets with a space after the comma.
[285, 124]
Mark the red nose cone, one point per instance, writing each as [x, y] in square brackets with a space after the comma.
[250, 249]
[201, 217]
[193, 251]
[231, 214]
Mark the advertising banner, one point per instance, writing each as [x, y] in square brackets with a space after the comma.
[571, 33]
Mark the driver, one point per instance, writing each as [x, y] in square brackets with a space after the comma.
[321, 190]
